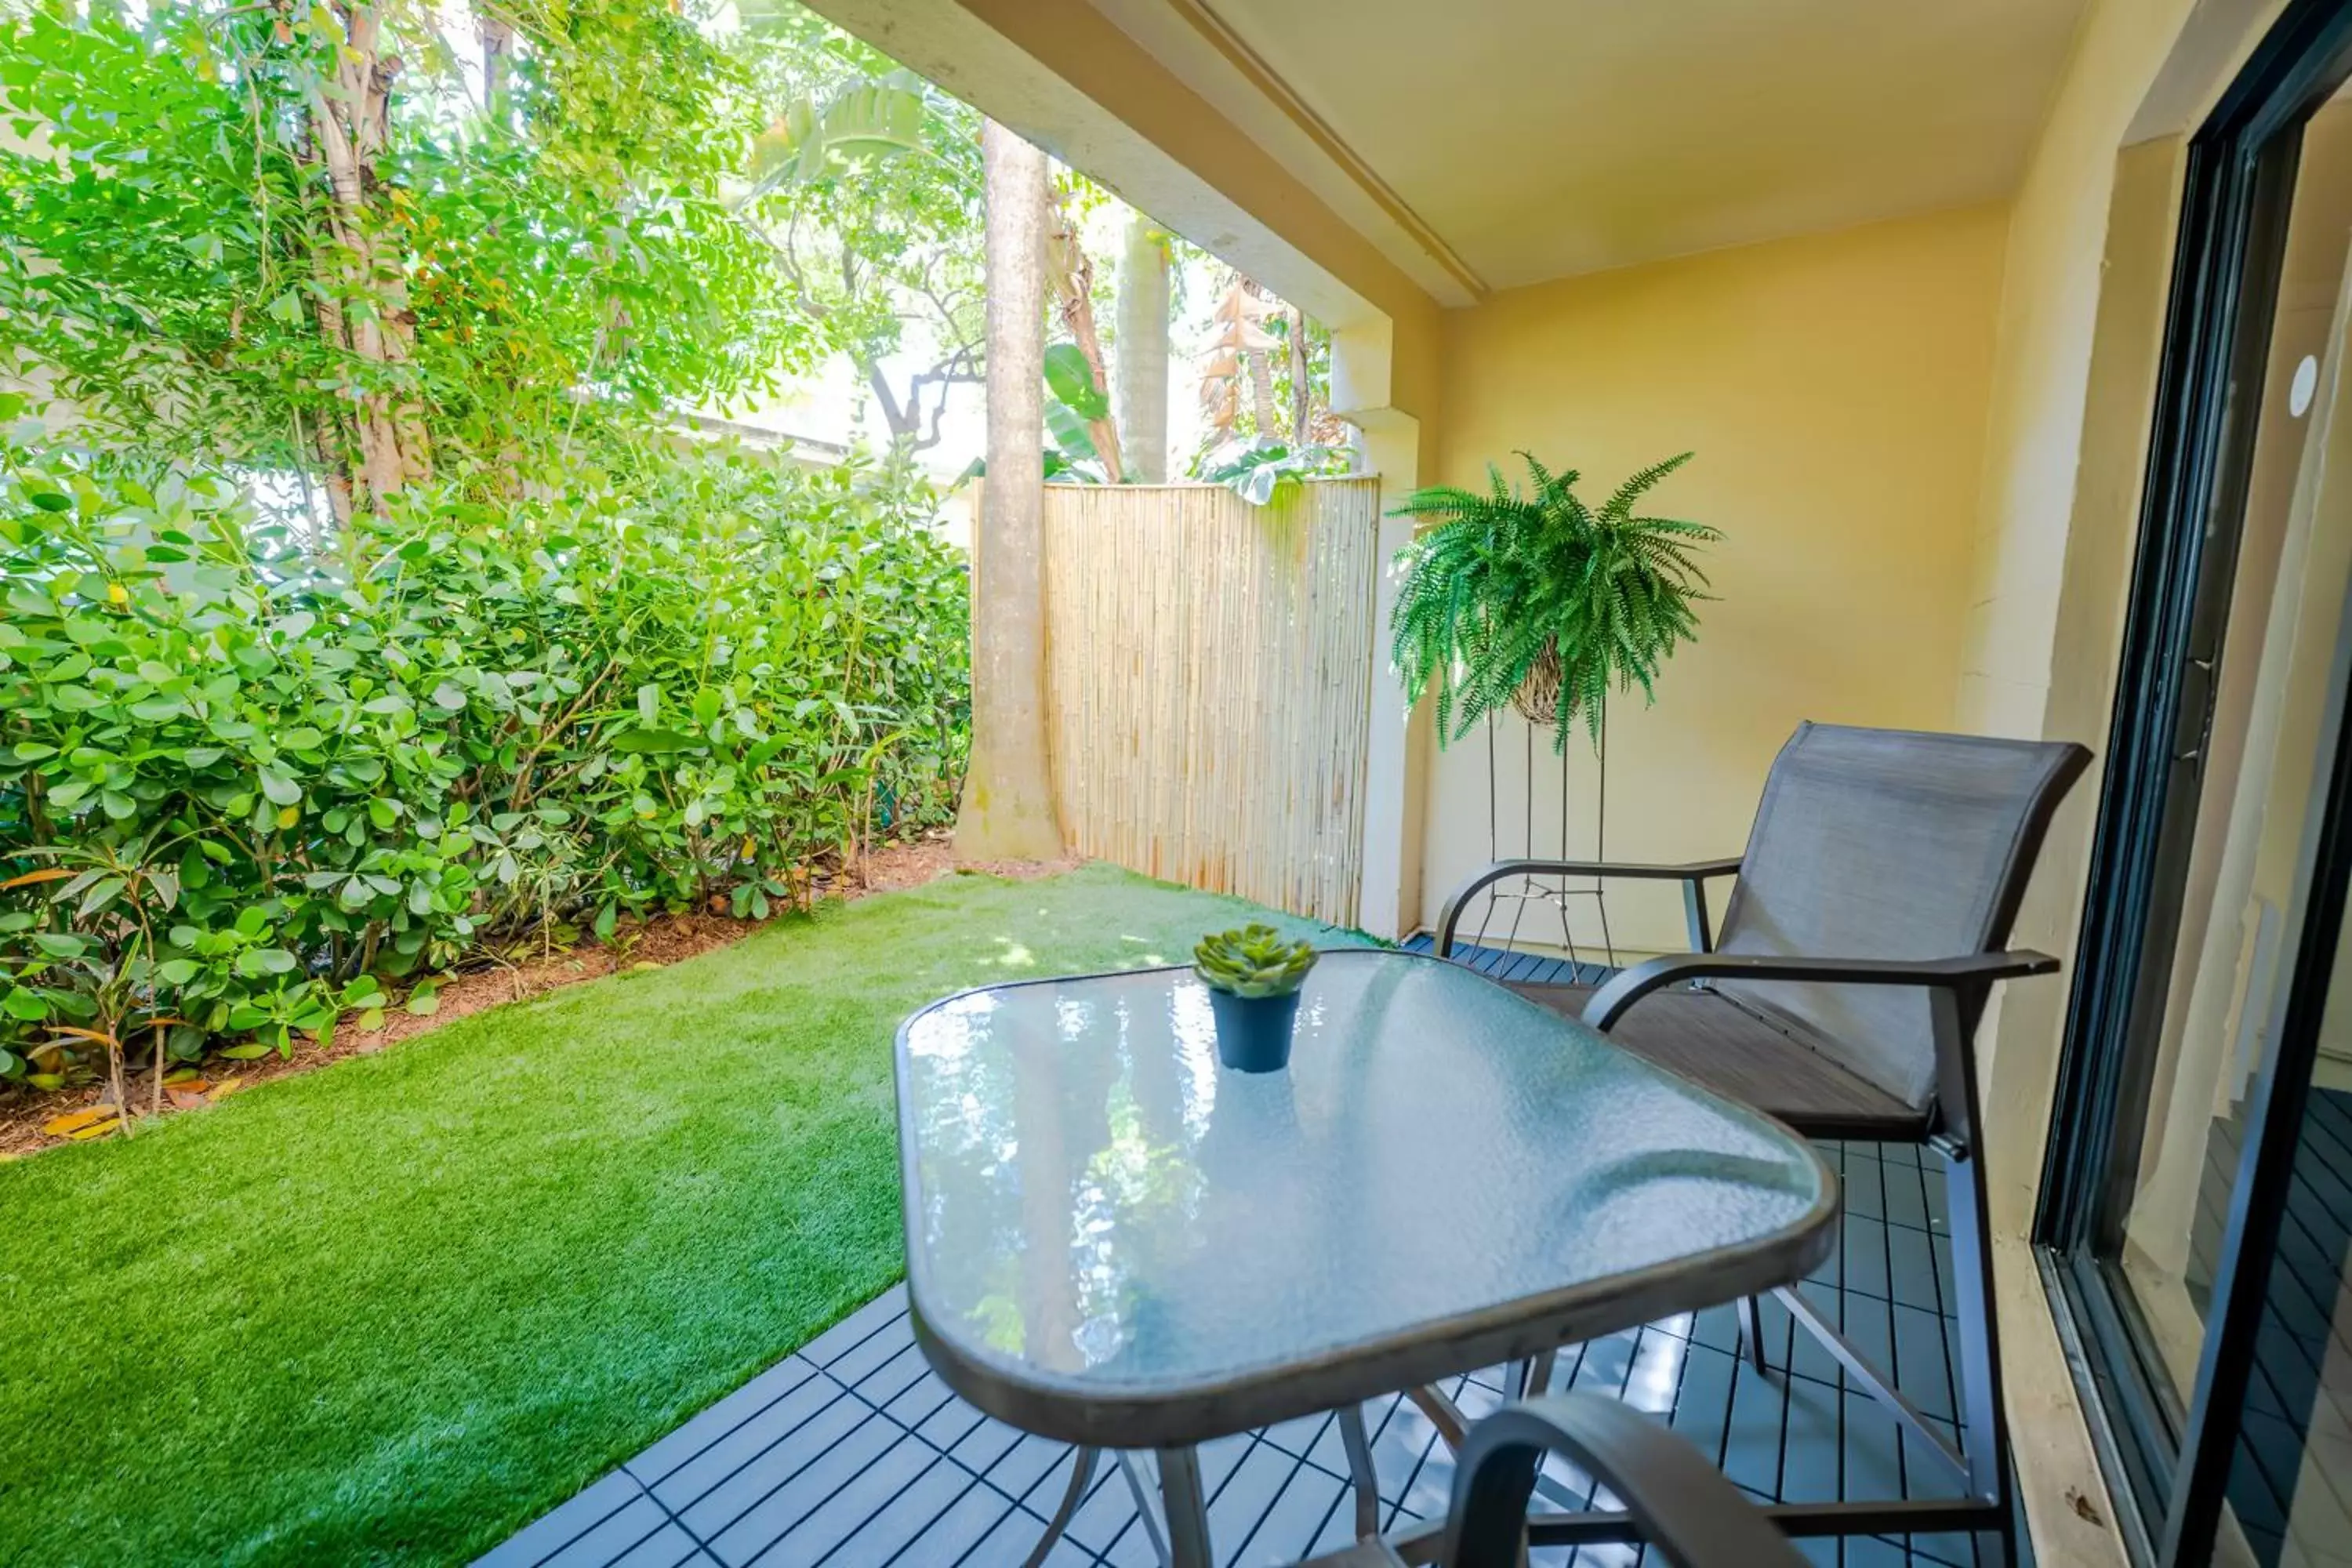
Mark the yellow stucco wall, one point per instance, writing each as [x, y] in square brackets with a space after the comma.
[1834, 388]
[2042, 367]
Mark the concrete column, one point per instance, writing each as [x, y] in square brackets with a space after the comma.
[1397, 745]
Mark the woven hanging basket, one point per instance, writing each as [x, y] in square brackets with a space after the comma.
[1538, 697]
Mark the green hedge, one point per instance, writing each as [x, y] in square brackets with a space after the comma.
[246, 785]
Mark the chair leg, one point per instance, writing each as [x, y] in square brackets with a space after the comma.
[1751, 1331]
[1985, 1442]
[1364, 1478]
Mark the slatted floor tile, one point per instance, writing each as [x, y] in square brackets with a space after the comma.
[852, 1452]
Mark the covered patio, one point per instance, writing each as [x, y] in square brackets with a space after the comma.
[852, 1451]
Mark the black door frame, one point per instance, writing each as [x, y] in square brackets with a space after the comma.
[2240, 179]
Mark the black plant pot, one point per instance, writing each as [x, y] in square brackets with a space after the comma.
[1253, 1032]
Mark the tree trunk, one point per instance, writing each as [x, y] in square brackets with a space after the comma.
[1143, 352]
[1302, 416]
[1073, 278]
[1008, 796]
[1261, 375]
[348, 123]
[496, 35]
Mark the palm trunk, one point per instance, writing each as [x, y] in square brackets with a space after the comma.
[1143, 352]
[1008, 801]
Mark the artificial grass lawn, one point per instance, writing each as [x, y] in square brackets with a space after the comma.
[392, 1309]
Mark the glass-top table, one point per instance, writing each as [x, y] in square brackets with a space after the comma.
[1113, 1241]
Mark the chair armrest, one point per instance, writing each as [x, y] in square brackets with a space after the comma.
[1609, 1003]
[1681, 1504]
[1692, 875]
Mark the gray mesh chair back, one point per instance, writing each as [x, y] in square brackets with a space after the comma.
[1883, 844]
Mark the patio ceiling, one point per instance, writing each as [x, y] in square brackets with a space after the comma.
[1488, 144]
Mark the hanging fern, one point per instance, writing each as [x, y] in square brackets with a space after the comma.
[1539, 601]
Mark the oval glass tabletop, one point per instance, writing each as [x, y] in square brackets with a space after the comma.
[1113, 1240]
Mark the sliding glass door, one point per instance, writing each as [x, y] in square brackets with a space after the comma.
[2199, 1195]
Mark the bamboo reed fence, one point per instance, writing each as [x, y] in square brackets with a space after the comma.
[1209, 667]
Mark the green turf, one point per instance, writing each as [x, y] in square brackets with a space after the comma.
[392, 1309]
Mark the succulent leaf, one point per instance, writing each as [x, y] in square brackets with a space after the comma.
[1252, 961]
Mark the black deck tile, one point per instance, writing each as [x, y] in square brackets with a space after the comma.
[1300, 1435]
[1108, 1516]
[921, 1512]
[719, 1419]
[987, 1442]
[1922, 1363]
[1797, 1351]
[1870, 1452]
[1808, 1471]
[1751, 1444]
[745, 1487]
[1717, 1328]
[894, 1377]
[1864, 1256]
[920, 1400]
[1868, 1322]
[1008, 1546]
[1911, 1269]
[892, 1343]
[1905, 1188]
[1035, 1470]
[1862, 1184]
[856, 1328]
[750, 1447]
[861, 1497]
[615, 1537]
[1703, 1404]
[825, 1470]
[1313, 1509]
[1869, 1552]
[558, 1527]
[874, 1461]
[1242, 1503]
[668, 1547]
[949, 1426]
[1330, 1449]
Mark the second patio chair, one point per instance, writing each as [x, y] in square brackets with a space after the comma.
[1862, 941]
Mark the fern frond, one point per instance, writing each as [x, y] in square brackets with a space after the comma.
[1502, 577]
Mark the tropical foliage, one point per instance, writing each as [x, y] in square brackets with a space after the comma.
[1534, 598]
[244, 787]
[868, 193]
[289, 236]
[366, 604]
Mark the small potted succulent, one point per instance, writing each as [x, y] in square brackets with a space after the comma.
[1253, 976]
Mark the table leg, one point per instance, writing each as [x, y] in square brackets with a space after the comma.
[1147, 1507]
[1188, 1508]
[1081, 1471]
[1360, 1469]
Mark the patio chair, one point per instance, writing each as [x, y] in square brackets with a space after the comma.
[1690, 1514]
[1861, 939]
